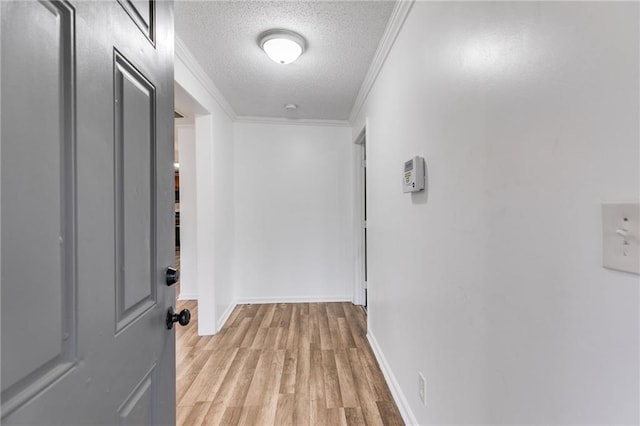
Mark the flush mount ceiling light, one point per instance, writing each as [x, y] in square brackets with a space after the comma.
[282, 46]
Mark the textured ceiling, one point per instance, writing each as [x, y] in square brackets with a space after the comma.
[342, 37]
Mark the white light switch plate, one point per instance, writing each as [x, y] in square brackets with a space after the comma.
[621, 237]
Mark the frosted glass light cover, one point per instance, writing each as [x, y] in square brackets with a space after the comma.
[281, 50]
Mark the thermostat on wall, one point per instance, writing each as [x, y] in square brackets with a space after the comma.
[413, 179]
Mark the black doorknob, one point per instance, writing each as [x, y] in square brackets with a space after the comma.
[182, 318]
[172, 275]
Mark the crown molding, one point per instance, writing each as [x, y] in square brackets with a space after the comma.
[396, 21]
[185, 55]
[292, 121]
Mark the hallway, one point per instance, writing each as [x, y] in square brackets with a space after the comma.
[282, 364]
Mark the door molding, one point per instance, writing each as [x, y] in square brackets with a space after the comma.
[194, 82]
[358, 209]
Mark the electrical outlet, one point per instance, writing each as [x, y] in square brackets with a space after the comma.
[621, 237]
[422, 388]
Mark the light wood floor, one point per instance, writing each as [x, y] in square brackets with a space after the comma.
[282, 364]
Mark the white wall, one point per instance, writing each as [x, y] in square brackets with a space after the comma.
[186, 140]
[294, 239]
[223, 220]
[490, 283]
[214, 193]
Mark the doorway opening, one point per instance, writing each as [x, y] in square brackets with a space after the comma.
[176, 189]
[186, 290]
[184, 189]
[360, 220]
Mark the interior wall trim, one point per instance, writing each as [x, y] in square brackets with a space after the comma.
[396, 391]
[294, 299]
[396, 21]
[225, 316]
[292, 121]
[185, 55]
[188, 296]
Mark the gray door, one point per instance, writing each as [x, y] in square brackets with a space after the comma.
[87, 212]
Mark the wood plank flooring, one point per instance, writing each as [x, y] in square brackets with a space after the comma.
[282, 364]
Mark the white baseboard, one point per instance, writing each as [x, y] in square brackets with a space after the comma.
[264, 300]
[293, 299]
[225, 316]
[188, 296]
[398, 396]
